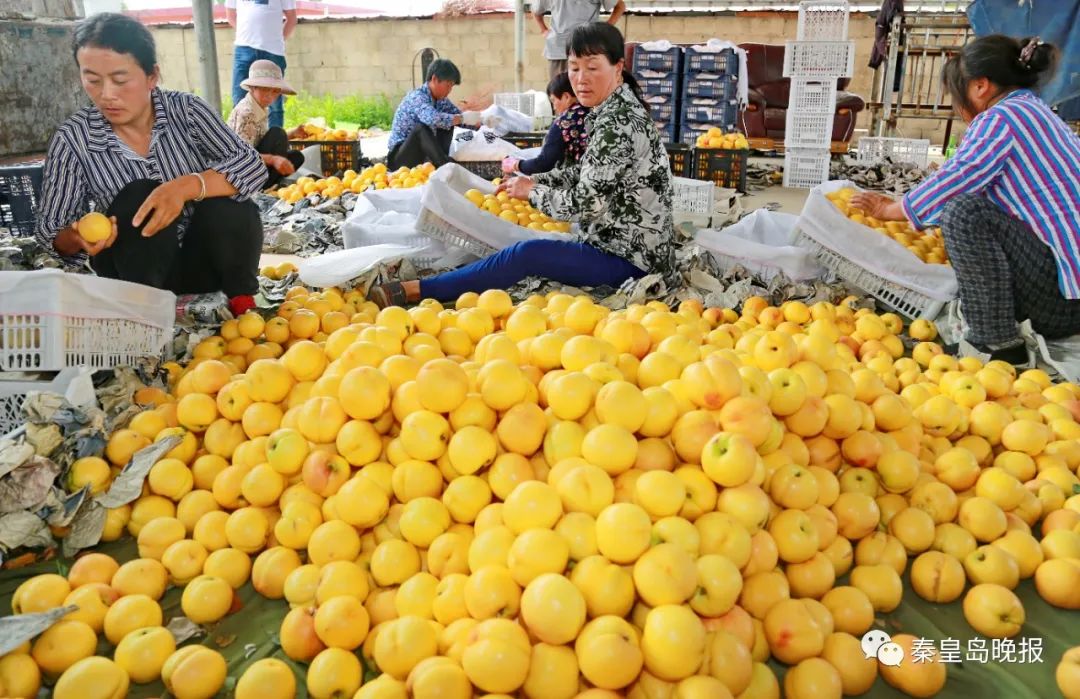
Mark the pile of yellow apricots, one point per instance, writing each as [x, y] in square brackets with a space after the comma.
[517, 211]
[374, 177]
[926, 245]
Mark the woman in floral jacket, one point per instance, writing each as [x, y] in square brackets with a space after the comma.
[619, 193]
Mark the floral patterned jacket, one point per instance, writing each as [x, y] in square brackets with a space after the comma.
[620, 192]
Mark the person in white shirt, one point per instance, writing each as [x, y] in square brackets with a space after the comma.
[262, 26]
[566, 16]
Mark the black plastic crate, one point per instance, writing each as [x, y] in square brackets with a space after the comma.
[724, 168]
[689, 131]
[20, 187]
[724, 114]
[662, 61]
[723, 88]
[337, 156]
[679, 155]
[725, 62]
[669, 131]
[652, 87]
[488, 169]
[526, 140]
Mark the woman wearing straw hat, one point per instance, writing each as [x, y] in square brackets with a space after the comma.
[250, 119]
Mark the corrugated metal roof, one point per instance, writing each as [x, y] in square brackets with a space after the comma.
[309, 9]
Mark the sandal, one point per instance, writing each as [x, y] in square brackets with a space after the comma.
[389, 294]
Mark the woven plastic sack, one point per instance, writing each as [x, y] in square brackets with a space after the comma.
[762, 244]
[444, 196]
[503, 121]
[385, 216]
[481, 144]
[342, 266]
[883, 256]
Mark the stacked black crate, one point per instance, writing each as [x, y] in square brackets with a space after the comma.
[709, 94]
[660, 75]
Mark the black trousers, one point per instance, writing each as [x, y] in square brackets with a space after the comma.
[276, 142]
[423, 145]
[220, 251]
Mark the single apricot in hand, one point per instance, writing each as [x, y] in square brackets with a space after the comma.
[95, 227]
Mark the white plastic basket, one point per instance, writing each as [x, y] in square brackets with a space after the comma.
[14, 391]
[523, 102]
[448, 216]
[806, 168]
[693, 200]
[812, 96]
[823, 20]
[877, 149]
[437, 227]
[909, 302]
[808, 130]
[527, 103]
[50, 320]
[819, 59]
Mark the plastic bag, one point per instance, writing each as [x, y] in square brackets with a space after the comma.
[503, 121]
[883, 256]
[342, 266]
[443, 197]
[1061, 355]
[761, 243]
[385, 216]
[482, 144]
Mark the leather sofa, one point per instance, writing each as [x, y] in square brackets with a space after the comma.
[765, 117]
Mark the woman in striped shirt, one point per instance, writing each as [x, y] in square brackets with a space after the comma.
[173, 177]
[1007, 201]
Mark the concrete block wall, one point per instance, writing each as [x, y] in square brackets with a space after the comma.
[380, 56]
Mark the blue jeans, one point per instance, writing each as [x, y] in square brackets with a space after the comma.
[243, 57]
[576, 264]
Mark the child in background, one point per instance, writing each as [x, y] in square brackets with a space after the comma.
[565, 140]
[250, 120]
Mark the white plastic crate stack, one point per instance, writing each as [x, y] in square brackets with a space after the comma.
[820, 55]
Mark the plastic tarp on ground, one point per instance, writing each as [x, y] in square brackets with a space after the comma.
[252, 633]
[1055, 22]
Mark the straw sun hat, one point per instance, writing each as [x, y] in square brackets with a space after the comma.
[264, 73]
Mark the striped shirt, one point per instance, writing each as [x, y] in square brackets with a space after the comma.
[1023, 158]
[86, 162]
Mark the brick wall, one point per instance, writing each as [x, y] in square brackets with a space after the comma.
[377, 56]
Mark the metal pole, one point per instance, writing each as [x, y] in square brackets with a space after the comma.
[203, 12]
[519, 45]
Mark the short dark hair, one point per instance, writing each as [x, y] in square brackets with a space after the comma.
[560, 85]
[119, 33]
[444, 69]
[998, 59]
[602, 39]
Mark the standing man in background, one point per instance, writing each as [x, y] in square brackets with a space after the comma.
[262, 26]
[566, 16]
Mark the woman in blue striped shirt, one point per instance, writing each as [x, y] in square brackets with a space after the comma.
[1007, 201]
[174, 179]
